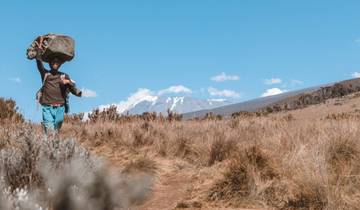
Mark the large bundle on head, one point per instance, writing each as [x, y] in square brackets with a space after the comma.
[50, 46]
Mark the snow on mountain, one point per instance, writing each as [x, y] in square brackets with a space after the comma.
[145, 100]
[160, 104]
[176, 104]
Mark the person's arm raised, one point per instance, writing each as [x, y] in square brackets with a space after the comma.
[41, 68]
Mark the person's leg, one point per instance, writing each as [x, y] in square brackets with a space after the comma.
[48, 119]
[59, 118]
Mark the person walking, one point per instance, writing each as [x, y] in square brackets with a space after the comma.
[53, 96]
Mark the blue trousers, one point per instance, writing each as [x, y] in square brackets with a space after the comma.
[53, 117]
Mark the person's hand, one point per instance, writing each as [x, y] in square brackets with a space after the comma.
[65, 81]
[38, 54]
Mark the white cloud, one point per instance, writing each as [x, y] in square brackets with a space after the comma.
[356, 75]
[175, 89]
[140, 95]
[224, 77]
[296, 82]
[272, 81]
[272, 91]
[223, 93]
[87, 93]
[16, 79]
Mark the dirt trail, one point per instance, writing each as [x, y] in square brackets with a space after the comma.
[176, 183]
[170, 190]
[176, 187]
[171, 185]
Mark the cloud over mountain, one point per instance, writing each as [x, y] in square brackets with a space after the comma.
[272, 81]
[355, 74]
[272, 91]
[175, 89]
[224, 77]
[223, 93]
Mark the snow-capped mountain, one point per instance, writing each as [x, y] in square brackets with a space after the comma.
[161, 104]
[175, 104]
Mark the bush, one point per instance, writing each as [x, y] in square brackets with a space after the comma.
[49, 173]
[9, 111]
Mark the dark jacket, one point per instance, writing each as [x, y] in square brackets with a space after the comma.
[53, 92]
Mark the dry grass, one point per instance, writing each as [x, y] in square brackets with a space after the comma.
[248, 160]
[39, 172]
[280, 163]
[140, 165]
[9, 111]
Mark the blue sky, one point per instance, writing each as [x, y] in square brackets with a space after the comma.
[234, 49]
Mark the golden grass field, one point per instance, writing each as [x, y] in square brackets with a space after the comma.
[301, 159]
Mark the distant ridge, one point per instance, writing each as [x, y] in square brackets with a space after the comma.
[285, 101]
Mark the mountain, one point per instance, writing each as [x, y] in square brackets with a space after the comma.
[175, 104]
[161, 104]
[286, 101]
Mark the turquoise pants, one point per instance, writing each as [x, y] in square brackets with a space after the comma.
[53, 117]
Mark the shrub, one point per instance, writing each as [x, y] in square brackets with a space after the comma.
[9, 111]
[51, 173]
